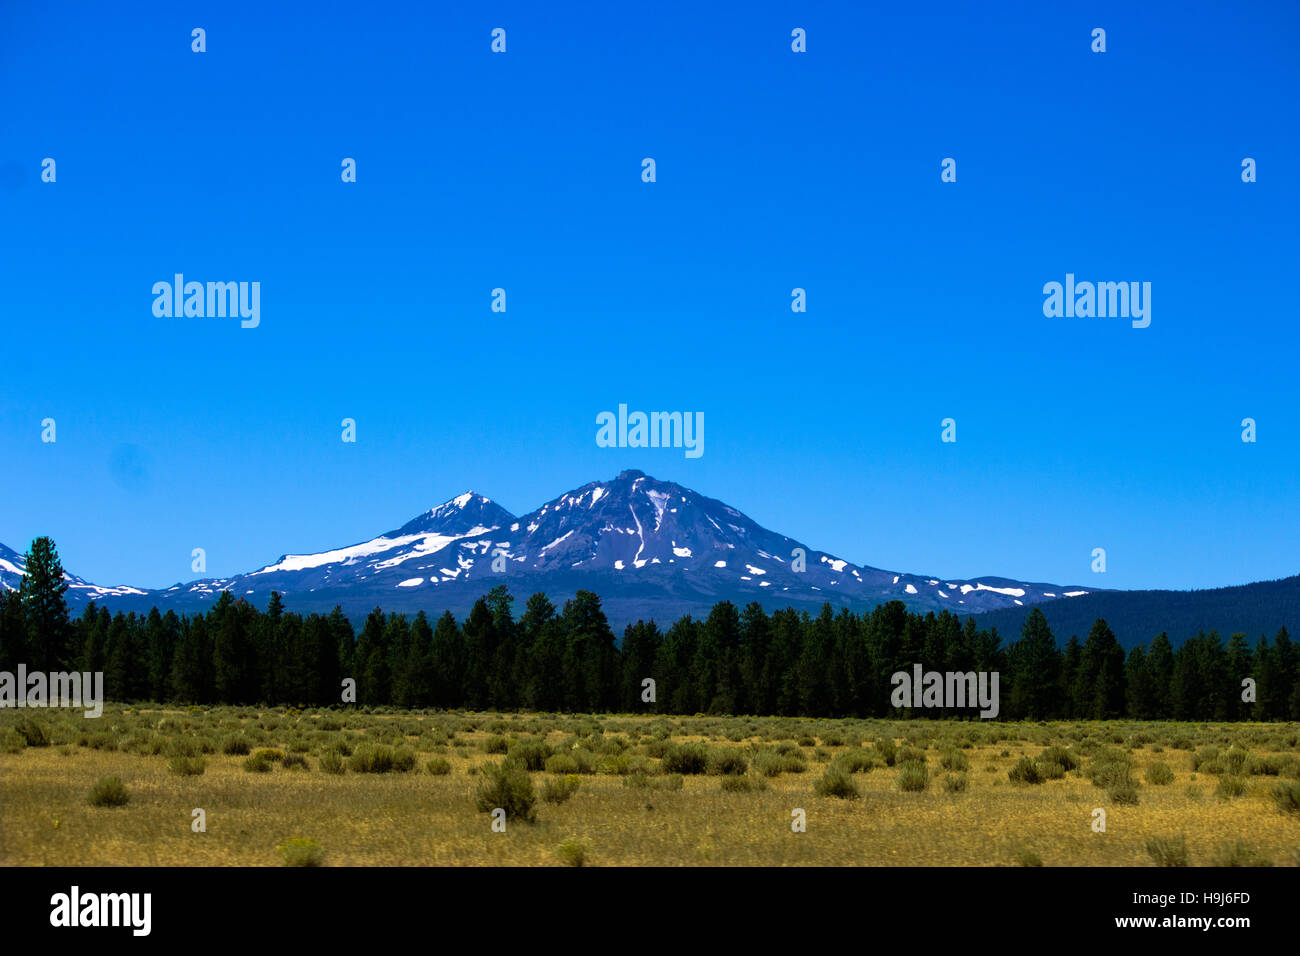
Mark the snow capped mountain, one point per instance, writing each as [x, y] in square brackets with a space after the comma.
[13, 566]
[647, 547]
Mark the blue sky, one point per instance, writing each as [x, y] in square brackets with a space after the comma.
[775, 170]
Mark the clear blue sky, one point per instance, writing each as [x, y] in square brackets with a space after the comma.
[775, 170]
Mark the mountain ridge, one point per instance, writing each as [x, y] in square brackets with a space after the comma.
[648, 547]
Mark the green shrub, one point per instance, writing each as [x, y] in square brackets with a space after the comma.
[1112, 770]
[11, 741]
[686, 759]
[1206, 760]
[235, 746]
[1236, 761]
[1159, 774]
[908, 753]
[913, 777]
[656, 748]
[531, 753]
[496, 745]
[1026, 857]
[33, 732]
[637, 781]
[380, 758]
[614, 765]
[561, 764]
[836, 783]
[856, 761]
[1168, 851]
[727, 761]
[1287, 797]
[1050, 769]
[955, 783]
[510, 790]
[295, 762]
[954, 760]
[1123, 792]
[734, 783]
[1240, 853]
[187, 766]
[772, 764]
[1230, 787]
[888, 750]
[271, 754]
[332, 762]
[301, 852]
[257, 763]
[559, 789]
[572, 852]
[1058, 754]
[109, 792]
[438, 766]
[1025, 771]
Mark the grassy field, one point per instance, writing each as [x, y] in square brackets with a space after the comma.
[649, 790]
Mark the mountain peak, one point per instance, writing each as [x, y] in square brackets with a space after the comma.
[632, 474]
[461, 500]
[459, 515]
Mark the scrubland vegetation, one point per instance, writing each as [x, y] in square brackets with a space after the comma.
[345, 787]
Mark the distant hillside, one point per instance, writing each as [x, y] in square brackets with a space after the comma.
[1137, 616]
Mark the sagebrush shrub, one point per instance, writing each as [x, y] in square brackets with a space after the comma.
[508, 789]
[301, 852]
[572, 852]
[686, 759]
[257, 763]
[1240, 853]
[557, 790]
[856, 761]
[109, 792]
[728, 760]
[913, 777]
[33, 732]
[380, 758]
[235, 746]
[1025, 771]
[1159, 774]
[1230, 787]
[836, 783]
[533, 754]
[954, 760]
[1060, 755]
[1287, 797]
[561, 764]
[1168, 851]
[332, 762]
[187, 766]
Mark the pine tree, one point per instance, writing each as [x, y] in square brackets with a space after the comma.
[1036, 670]
[1103, 663]
[1139, 690]
[450, 658]
[13, 631]
[41, 595]
[591, 656]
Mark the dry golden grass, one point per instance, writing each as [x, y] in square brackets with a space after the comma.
[418, 818]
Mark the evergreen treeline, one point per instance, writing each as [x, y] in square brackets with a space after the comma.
[737, 661]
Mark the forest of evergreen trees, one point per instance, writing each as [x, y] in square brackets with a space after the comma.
[734, 661]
